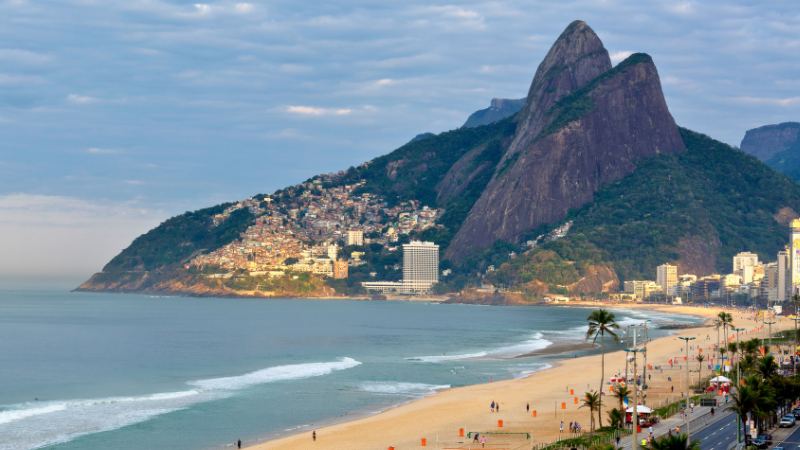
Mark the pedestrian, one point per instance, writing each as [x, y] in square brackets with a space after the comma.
[678, 430]
[561, 427]
[240, 443]
[528, 407]
[497, 407]
[712, 412]
[314, 435]
[617, 440]
[492, 405]
[651, 430]
[483, 442]
[476, 438]
[644, 442]
[672, 389]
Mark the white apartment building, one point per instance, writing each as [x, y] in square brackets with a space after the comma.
[420, 266]
[784, 277]
[666, 277]
[355, 237]
[420, 270]
[744, 259]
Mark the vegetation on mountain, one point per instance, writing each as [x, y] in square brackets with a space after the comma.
[178, 238]
[712, 191]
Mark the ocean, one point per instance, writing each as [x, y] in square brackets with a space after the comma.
[98, 371]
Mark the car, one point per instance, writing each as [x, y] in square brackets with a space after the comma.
[759, 443]
[786, 422]
[796, 413]
[778, 448]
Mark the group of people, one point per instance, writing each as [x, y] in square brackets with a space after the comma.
[574, 427]
[495, 406]
[483, 440]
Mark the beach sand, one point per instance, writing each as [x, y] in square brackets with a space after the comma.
[437, 418]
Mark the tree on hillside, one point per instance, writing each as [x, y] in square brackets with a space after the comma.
[600, 323]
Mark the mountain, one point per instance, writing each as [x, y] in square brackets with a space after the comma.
[590, 184]
[499, 109]
[584, 125]
[421, 136]
[776, 145]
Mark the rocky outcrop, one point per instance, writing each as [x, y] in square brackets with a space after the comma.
[767, 141]
[584, 125]
[499, 109]
[598, 279]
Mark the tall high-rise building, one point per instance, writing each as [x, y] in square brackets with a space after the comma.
[771, 275]
[666, 277]
[744, 259]
[333, 252]
[795, 256]
[339, 269]
[420, 266]
[784, 276]
[355, 237]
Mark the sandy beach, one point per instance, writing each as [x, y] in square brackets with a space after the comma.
[439, 417]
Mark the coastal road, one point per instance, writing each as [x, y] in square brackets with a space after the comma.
[719, 435]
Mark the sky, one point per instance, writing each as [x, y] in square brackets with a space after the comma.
[116, 115]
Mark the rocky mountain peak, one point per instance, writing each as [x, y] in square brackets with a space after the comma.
[577, 57]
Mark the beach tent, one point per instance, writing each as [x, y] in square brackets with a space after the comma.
[640, 409]
[721, 379]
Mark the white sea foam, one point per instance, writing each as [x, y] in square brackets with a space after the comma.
[507, 351]
[34, 425]
[279, 373]
[400, 388]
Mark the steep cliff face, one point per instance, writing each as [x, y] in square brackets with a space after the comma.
[581, 128]
[767, 141]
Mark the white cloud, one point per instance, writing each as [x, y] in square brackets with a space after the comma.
[23, 56]
[66, 236]
[619, 56]
[311, 111]
[202, 8]
[102, 151]
[80, 99]
[385, 82]
[20, 79]
[682, 8]
[769, 101]
[243, 7]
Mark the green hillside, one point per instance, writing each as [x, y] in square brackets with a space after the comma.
[712, 193]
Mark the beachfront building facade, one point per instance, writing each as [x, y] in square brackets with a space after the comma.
[420, 271]
[795, 256]
[339, 269]
[666, 277]
[744, 259]
[784, 277]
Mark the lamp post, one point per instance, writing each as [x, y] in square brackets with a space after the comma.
[644, 370]
[770, 335]
[635, 414]
[738, 380]
[794, 350]
[686, 408]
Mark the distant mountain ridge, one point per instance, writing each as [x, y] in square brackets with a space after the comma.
[593, 144]
[777, 145]
[499, 109]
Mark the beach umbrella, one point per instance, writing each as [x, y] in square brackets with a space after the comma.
[721, 379]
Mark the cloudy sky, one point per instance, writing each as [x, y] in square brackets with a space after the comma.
[115, 115]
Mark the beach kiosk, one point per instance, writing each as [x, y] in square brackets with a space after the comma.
[645, 416]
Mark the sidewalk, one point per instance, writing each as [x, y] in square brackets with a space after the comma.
[700, 419]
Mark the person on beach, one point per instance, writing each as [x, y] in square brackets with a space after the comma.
[314, 435]
[561, 427]
[528, 407]
[497, 407]
[240, 443]
[492, 405]
[476, 438]
[483, 442]
[571, 427]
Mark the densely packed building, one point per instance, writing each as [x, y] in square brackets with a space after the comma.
[302, 226]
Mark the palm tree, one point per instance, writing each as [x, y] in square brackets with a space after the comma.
[600, 323]
[592, 401]
[621, 392]
[675, 442]
[726, 321]
[616, 417]
[700, 359]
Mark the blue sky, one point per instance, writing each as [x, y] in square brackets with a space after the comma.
[116, 115]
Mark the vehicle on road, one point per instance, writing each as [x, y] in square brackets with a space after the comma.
[767, 437]
[759, 443]
[787, 421]
[796, 413]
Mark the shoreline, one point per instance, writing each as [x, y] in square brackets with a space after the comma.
[438, 416]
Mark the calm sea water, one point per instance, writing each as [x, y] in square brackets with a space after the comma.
[99, 371]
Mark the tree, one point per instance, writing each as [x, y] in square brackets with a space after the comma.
[592, 401]
[600, 323]
[616, 417]
[675, 442]
[621, 392]
[700, 359]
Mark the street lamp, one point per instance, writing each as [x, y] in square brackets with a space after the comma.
[738, 380]
[770, 336]
[635, 412]
[686, 408]
[644, 371]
